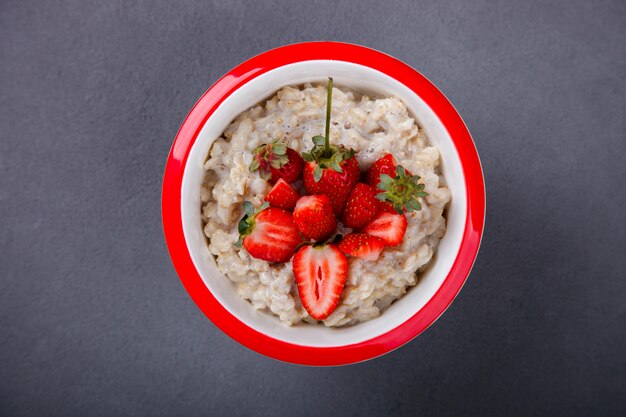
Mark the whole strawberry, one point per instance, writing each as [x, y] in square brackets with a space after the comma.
[400, 193]
[361, 207]
[268, 233]
[330, 169]
[314, 217]
[336, 184]
[275, 160]
[321, 273]
[384, 165]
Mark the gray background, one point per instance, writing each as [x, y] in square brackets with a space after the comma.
[94, 320]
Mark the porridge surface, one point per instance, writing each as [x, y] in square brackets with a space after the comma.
[373, 128]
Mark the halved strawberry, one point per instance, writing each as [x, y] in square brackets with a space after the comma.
[275, 160]
[282, 195]
[320, 273]
[387, 226]
[268, 233]
[314, 217]
[362, 245]
[361, 207]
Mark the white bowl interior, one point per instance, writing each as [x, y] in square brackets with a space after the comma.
[358, 78]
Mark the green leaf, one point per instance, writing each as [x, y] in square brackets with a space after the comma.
[400, 171]
[318, 140]
[317, 174]
[385, 180]
[242, 227]
[412, 205]
[275, 164]
[307, 156]
[381, 196]
[265, 174]
[248, 208]
[247, 221]
[422, 194]
[254, 165]
[279, 148]
[335, 165]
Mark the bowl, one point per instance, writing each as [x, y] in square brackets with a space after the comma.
[366, 71]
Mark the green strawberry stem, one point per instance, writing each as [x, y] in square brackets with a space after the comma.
[323, 153]
[329, 98]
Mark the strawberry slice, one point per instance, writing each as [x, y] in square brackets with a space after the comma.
[361, 207]
[320, 273]
[387, 226]
[282, 195]
[362, 246]
[314, 217]
[268, 233]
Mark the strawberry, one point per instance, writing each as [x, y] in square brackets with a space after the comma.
[400, 193]
[275, 160]
[282, 195]
[268, 233]
[387, 226]
[362, 245]
[314, 217]
[336, 184]
[385, 165]
[330, 169]
[320, 273]
[361, 207]
[387, 208]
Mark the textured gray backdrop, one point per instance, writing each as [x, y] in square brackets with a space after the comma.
[93, 318]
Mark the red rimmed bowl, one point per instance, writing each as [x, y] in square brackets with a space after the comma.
[366, 71]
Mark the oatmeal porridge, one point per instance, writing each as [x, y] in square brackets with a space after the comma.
[373, 128]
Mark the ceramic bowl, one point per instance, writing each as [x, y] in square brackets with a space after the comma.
[366, 71]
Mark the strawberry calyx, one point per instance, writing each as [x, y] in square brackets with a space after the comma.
[402, 192]
[246, 224]
[268, 156]
[326, 158]
[323, 153]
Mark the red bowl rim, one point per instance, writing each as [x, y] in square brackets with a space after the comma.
[172, 216]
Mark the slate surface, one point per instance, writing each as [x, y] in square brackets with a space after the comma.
[93, 318]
